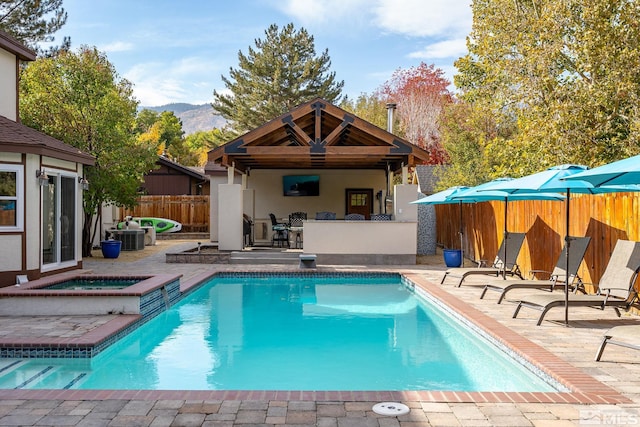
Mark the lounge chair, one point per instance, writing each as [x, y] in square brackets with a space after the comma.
[557, 276]
[624, 336]
[616, 288]
[513, 244]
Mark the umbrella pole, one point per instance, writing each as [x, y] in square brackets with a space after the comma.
[461, 236]
[567, 240]
[505, 241]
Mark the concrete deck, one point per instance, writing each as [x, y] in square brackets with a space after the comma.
[570, 349]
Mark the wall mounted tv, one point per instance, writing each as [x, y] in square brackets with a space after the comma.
[301, 185]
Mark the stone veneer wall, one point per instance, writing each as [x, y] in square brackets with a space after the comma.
[426, 229]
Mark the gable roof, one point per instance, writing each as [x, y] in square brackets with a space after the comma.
[13, 46]
[18, 138]
[318, 135]
[187, 170]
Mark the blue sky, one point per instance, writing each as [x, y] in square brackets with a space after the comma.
[176, 51]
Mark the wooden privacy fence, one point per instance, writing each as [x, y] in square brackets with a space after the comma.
[191, 211]
[604, 217]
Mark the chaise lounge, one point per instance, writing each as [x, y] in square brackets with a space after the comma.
[505, 261]
[616, 288]
[557, 276]
[624, 336]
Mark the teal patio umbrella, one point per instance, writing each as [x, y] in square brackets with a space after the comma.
[443, 198]
[555, 179]
[489, 192]
[622, 172]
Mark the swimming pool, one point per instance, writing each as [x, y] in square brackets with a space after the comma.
[299, 332]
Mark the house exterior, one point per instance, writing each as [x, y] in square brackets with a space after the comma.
[348, 163]
[174, 179]
[40, 189]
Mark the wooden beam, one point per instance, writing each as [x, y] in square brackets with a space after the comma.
[333, 136]
[282, 151]
[304, 138]
[318, 124]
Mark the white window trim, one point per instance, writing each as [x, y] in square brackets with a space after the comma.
[52, 266]
[19, 170]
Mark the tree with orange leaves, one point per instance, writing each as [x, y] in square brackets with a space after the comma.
[420, 94]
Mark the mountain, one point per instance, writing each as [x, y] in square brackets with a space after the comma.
[193, 117]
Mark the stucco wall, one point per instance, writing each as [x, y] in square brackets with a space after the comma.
[230, 211]
[269, 196]
[8, 85]
[366, 242]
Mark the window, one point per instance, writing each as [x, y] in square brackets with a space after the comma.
[359, 200]
[11, 198]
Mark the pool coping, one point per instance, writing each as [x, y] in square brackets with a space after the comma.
[584, 389]
[36, 288]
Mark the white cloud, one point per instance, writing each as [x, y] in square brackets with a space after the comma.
[116, 47]
[444, 49]
[188, 79]
[332, 13]
[416, 18]
[420, 18]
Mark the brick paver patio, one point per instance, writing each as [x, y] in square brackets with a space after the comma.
[572, 347]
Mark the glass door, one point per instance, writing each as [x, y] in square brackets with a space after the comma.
[59, 220]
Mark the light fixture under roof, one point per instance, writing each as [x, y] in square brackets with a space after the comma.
[43, 178]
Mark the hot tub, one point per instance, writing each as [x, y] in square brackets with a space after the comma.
[87, 294]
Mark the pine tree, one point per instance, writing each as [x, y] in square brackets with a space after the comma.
[34, 21]
[280, 72]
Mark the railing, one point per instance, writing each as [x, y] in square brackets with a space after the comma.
[605, 218]
[191, 211]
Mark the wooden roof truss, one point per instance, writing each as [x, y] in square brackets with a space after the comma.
[318, 135]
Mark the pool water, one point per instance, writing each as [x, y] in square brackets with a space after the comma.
[93, 284]
[291, 333]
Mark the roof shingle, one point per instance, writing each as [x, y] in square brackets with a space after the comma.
[18, 138]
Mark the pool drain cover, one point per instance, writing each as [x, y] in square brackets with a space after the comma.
[390, 408]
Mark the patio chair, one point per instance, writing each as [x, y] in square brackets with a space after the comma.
[623, 336]
[295, 226]
[558, 275]
[325, 216]
[616, 287]
[247, 225]
[381, 217]
[354, 217]
[514, 243]
[280, 231]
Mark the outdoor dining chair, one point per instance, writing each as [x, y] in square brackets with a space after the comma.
[354, 217]
[280, 232]
[295, 226]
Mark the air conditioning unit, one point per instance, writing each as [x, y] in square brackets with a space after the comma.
[132, 240]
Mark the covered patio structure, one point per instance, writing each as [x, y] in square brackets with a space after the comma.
[350, 165]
